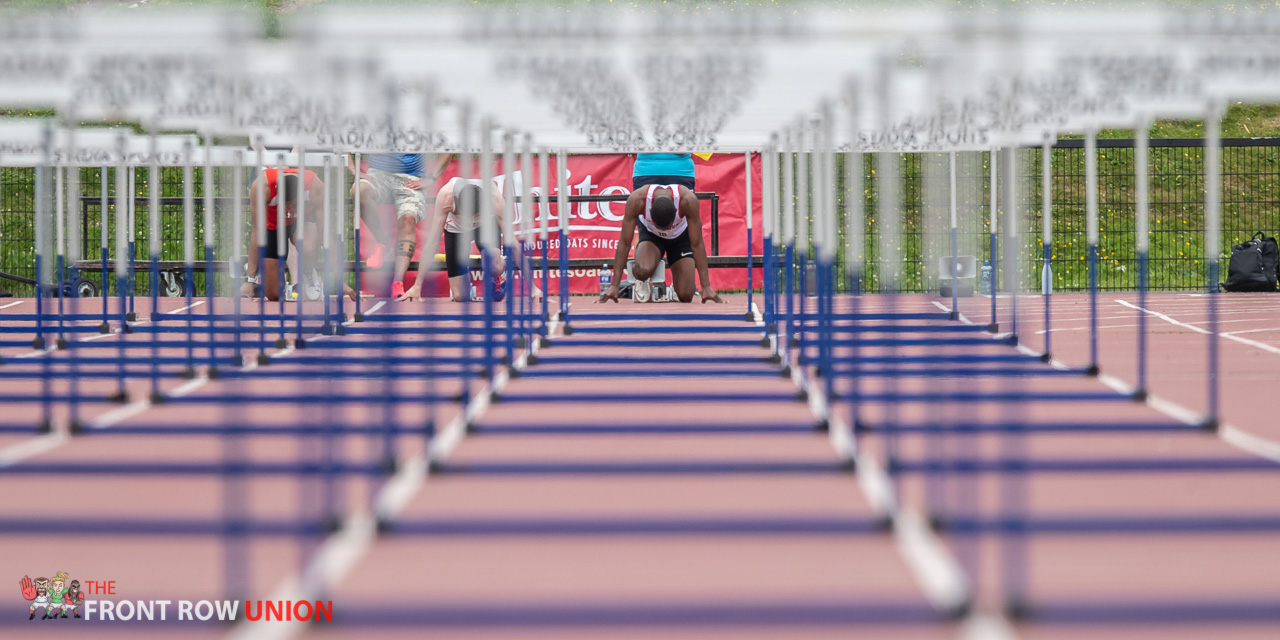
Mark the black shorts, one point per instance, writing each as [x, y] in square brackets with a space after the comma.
[643, 181]
[454, 253]
[274, 251]
[675, 249]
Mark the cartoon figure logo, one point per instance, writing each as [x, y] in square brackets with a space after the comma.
[52, 595]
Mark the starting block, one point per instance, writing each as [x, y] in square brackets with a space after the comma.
[654, 289]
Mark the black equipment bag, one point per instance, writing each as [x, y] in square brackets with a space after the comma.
[1253, 265]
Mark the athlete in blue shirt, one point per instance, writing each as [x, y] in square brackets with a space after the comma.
[396, 178]
[662, 168]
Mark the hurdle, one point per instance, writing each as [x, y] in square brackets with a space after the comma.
[591, 424]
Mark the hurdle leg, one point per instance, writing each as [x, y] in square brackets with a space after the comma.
[1142, 182]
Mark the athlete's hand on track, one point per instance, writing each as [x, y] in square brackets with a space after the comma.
[411, 294]
[610, 294]
[413, 183]
[349, 292]
[28, 589]
[247, 290]
[710, 295]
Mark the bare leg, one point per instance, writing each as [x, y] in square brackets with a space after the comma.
[271, 278]
[646, 261]
[457, 287]
[406, 244]
[683, 279]
[370, 212]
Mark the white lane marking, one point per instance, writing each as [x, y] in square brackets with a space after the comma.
[20, 451]
[34, 354]
[1057, 329]
[12, 304]
[1229, 336]
[190, 306]
[936, 570]
[340, 552]
[1164, 317]
[1248, 442]
[1232, 333]
[116, 416]
[987, 627]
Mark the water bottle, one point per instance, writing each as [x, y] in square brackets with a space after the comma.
[606, 278]
[984, 278]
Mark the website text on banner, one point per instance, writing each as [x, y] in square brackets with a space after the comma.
[594, 226]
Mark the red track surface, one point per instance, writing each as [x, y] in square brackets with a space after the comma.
[576, 573]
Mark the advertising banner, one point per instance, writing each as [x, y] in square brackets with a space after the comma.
[594, 227]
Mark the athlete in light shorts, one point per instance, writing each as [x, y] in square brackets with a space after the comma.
[396, 178]
[457, 216]
[666, 229]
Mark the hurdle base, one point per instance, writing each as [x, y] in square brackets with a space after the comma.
[119, 397]
[938, 522]
[104, 328]
[332, 524]
[544, 342]
[326, 329]
[568, 330]
[358, 317]
[513, 373]
[45, 426]
[483, 372]
[785, 371]
[1091, 371]
[157, 397]
[1140, 395]
[212, 372]
[849, 465]
[994, 327]
[237, 360]
[1210, 425]
[131, 316]
[775, 358]
[38, 344]
[960, 611]
[772, 328]
[885, 523]
[823, 426]
[795, 341]
[764, 342]
[802, 396]
[74, 427]
[339, 330]
[60, 343]
[1018, 608]
[187, 374]
[388, 466]
[263, 359]
[520, 342]
[748, 317]
[1012, 340]
[126, 328]
[281, 343]
[531, 359]
[1046, 357]
[299, 343]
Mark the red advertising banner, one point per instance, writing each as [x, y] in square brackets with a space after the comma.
[594, 227]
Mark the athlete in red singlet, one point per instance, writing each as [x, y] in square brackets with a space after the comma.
[268, 201]
[670, 225]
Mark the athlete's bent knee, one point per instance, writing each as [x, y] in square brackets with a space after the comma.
[684, 295]
[642, 273]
